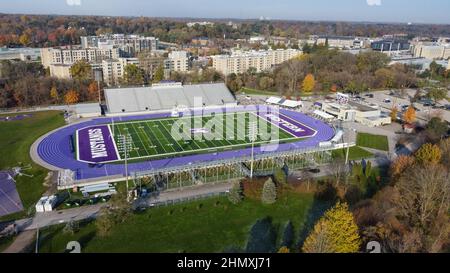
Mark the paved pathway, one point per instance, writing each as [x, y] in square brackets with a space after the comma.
[22, 242]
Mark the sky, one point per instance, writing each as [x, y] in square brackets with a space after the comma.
[402, 11]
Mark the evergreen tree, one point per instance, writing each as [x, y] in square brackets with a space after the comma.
[235, 195]
[269, 193]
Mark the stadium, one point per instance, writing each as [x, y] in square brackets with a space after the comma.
[164, 134]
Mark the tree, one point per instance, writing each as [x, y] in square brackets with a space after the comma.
[410, 115]
[117, 212]
[105, 222]
[436, 129]
[93, 91]
[394, 113]
[133, 75]
[159, 74]
[445, 148]
[269, 192]
[284, 249]
[236, 193]
[338, 170]
[309, 83]
[437, 94]
[335, 232]
[54, 94]
[71, 97]
[24, 39]
[81, 70]
[280, 176]
[424, 202]
[428, 154]
[400, 165]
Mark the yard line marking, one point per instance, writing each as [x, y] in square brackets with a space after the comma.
[157, 139]
[168, 134]
[140, 140]
[113, 140]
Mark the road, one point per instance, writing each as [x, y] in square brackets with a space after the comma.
[46, 219]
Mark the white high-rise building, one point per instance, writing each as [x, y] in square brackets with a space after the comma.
[71, 55]
[114, 69]
[177, 61]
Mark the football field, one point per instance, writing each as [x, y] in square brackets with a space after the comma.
[153, 138]
[162, 138]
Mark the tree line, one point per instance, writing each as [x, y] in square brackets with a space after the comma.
[54, 30]
[26, 84]
[329, 70]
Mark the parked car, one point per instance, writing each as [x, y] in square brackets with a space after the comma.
[387, 101]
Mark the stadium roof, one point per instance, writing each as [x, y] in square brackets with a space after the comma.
[166, 96]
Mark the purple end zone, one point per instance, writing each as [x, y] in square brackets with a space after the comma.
[96, 145]
[287, 124]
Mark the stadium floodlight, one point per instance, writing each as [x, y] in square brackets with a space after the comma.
[252, 135]
[126, 143]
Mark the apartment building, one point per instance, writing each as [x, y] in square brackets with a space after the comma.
[128, 45]
[239, 62]
[177, 61]
[114, 69]
[71, 55]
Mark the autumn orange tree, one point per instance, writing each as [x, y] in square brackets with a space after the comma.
[71, 97]
[93, 91]
[410, 115]
[309, 83]
[400, 164]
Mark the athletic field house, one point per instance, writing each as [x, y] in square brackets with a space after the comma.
[172, 136]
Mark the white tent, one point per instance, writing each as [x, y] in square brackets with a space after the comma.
[273, 100]
[292, 103]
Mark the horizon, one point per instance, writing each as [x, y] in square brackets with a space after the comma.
[217, 19]
[354, 11]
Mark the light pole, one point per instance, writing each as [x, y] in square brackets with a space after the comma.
[125, 140]
[252, 135]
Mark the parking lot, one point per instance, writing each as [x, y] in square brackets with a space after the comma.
[386, 100]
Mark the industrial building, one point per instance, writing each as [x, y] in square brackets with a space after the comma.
[393, 45]
[358, 112]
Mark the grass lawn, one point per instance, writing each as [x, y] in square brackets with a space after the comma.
[355, 153]
[5, 242]
[210, 225]
[372, 141]
[16, 138]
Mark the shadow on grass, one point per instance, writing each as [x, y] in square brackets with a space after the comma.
[324, 199]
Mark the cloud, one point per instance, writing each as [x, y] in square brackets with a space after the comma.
[374, 2]
[73, 2]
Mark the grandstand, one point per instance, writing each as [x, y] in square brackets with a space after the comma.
[166, 96]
